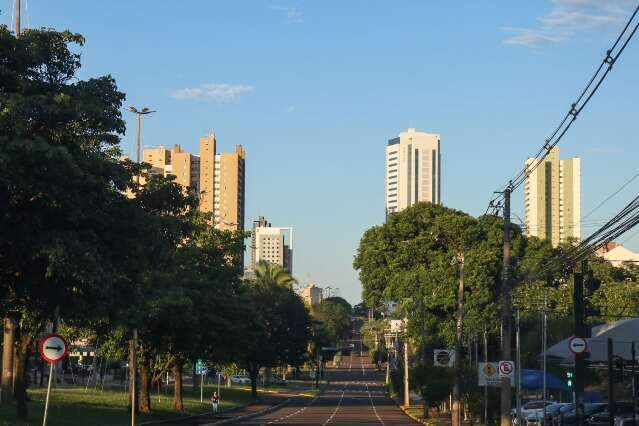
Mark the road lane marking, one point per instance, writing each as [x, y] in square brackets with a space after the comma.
[373, 405]
[336, 408]
[294, 413]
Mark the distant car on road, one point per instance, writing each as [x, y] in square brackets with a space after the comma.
[240, 380]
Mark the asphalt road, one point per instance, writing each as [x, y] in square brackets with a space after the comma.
[355, 396]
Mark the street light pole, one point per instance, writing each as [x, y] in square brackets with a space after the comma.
[139, 113]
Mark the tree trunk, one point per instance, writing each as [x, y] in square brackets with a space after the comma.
[10, 325]
[21, 382]
[178, 403]
[267, 376]
[456, 408]
[145, 382]
[133, 376]
[253, 370]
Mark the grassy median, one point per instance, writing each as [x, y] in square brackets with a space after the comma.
[75, 406]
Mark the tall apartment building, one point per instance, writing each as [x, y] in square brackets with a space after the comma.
[176, 162]
[218, 179]
[222, 181]
[270, 246]
[413, 170]
[553, 198]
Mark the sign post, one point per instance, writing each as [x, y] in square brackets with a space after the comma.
[201, 370]
[53, 348]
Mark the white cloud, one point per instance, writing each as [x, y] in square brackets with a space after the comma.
[293, 14]
[216, 92]
[567, 18]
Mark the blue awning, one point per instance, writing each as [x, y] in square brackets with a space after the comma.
[534, 379]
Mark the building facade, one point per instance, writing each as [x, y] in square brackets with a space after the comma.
[185, 167]
[552, 198]
[312, 295]
[413, 170]
[270, 246]
[218, 179]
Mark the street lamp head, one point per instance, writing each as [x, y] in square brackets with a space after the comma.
[142, 111]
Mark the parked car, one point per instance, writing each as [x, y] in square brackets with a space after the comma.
[570, 418]
[240, 380]
[535, 417]
[622, 409]
[626, 420]
[276, 380]
[530, 408]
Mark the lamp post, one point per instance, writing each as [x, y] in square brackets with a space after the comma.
[139, 113]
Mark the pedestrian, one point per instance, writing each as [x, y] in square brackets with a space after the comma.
[215, 401]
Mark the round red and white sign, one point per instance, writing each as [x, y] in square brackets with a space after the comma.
[577, 345]
[53, 348]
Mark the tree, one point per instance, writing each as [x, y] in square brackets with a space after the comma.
[64, 219]
[279, 328]
[266, 272]
[335, 317]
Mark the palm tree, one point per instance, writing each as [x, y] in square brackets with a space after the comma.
[269, 274]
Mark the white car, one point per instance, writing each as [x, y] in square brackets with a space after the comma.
[240, 380]
[531, 411]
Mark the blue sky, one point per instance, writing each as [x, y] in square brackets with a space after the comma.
[314, 89]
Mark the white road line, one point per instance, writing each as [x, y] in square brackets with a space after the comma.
[373, 405]
[294, 413]
[336, 408]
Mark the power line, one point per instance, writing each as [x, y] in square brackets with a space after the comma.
[611, 57]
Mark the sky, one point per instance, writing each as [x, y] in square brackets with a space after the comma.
[314, 89]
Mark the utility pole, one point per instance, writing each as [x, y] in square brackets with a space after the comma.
[485, 387]
[633, 422]
[544, 344]
[518, 367]
[17, 18]
[456, 408]
[506, 312]
[611, 385]
[580, 362]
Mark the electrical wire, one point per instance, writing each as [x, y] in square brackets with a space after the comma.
[593, 85]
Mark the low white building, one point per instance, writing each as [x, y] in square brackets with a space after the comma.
[617, 255]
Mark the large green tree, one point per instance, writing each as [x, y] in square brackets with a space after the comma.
[67, 229]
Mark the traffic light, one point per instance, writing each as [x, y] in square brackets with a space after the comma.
[592, 284]
[569, 378]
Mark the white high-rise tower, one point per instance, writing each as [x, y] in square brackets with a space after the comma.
[413, 172]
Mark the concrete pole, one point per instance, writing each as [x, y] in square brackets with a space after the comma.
[506, 314]
[406, 391]
[459, 332]
[17, 18]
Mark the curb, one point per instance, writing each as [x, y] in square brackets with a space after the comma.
[415, 419]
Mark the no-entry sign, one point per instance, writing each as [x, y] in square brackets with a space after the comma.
[53, 348]
[577, 345]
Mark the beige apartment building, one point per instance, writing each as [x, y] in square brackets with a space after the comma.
[552, 198]
[413, 170]
[176, 162]
[218, 179]
[312, 294]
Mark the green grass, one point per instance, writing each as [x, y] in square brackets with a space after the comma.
[74, 406]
